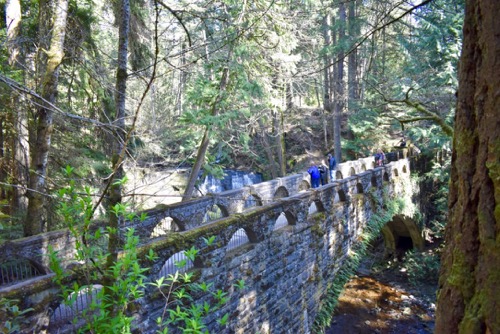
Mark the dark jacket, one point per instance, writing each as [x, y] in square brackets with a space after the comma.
[332, 163]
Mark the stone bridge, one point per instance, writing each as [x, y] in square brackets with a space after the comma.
[284, 239]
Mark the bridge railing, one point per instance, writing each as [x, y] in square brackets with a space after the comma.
[288, 197]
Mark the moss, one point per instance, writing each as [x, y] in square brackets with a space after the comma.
[460, 275]
[318, 219]
[349, 267]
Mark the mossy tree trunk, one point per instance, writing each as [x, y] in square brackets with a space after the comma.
[115, 189]
[468, 299]
[44, 121]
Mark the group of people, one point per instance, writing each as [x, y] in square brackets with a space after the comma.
[319, 173]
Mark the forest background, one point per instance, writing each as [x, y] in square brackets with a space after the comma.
[109, 87]
[265, 85]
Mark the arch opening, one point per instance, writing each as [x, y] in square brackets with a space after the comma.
[215, 212]
[238, 239]
[18, 270]
[252, 201]
[177, 262]
[79, 302]
[281, 222]
[281, 192]
[338, 175]
[304, 186]
[165, 226]
[352, 171]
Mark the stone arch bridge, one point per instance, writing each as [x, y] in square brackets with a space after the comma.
[284, 239]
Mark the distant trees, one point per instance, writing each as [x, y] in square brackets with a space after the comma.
[234, 76]
[468, 295]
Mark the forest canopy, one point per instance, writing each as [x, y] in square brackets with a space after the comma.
[106, 87]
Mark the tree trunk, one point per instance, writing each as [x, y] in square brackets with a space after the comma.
[278, 126]
[352, 68]
[268, 150]
[468, 299]
[115, 190]
[328, 94]
[18, 139]
[339, 88]
[202, 149]
[44, 126]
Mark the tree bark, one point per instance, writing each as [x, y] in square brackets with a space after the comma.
[468, 298]
[328, 94]
[18, 139]
[339, 88]
[115, 190]
[44, 125]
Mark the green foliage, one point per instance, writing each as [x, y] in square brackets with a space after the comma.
[12, 315]
[422, 266]
[187, 302]
[107, 313]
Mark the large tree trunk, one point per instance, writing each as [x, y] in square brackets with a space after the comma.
[328, 94]
[18, 138]
[339, 88]
[468, 299]
[352, 68]
[115, 190]
[44, 126]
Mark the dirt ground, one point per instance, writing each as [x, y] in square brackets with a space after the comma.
[384, 303]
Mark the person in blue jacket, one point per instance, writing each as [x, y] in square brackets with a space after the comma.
[315, 175]
[332, 164]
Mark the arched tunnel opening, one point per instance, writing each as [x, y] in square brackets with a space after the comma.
[403, 245]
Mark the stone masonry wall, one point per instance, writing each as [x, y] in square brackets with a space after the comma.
[286, 270]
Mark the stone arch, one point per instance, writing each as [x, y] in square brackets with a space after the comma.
[304, 185]
[342, 195]
[177, 262]
[389, 242]
[359, 188]
[215, 212]
[338, 175]
[374, 181]
[363, 168]
[316, 206]
[167, 224]
[281, 222]
[281, 192]
[251, 201]
[396, 172]
[75, 305]
[238, 239]
[402, 234]
[386, 177]
[19, 269]
[352, 171]
[405, 170]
